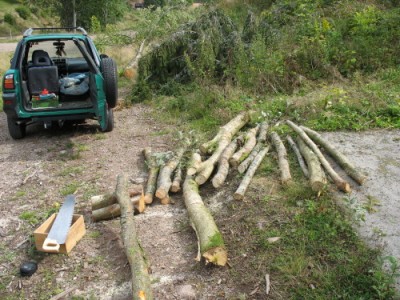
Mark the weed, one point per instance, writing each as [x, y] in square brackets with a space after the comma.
[30, 216]
[71, 171]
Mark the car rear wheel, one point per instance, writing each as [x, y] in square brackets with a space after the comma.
[110, 121]
[17, 131]
[109, 71]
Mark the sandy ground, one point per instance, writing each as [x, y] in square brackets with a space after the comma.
[377, 153]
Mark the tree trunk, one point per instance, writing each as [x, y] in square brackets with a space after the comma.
[239, 194]
[341, 159]
[316, 173]
[218, 144]
[286, 178]
[154, 168]
[131, 70]
[300, 158]
[176, 183]
[250, 142]
[210, 241]
[141, 285]
[339, 181]
[164, 181]
[194, 164]
[261, 139]
[114, 211]
[223, 164]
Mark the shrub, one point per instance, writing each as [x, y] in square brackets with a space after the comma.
[9, 18]
[23, 12]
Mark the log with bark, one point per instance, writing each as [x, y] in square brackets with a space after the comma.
[261, 139]
[218, 144]
[243, 153]
[223, 164]
[316, 173]
[154, 168]
[114, 211]
[339, 181]
[164, 181]
[286, 177]
[340, 158]
[239, 194]
[141, 284]
[210, 240]
[176, 183]
[300, 158]
[100, 201]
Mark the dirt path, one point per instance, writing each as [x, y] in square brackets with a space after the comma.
[378, 154]
[7, 47]
[37, 170]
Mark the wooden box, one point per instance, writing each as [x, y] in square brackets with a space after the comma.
[75, 233]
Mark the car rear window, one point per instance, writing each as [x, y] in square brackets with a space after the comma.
[55, 49]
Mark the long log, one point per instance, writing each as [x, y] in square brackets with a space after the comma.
[286, 177]
[210, 240]
[239, 194]
[164, 181]
[218, 144]
[114, 211]
[154, 168]
[300, 158]
[261, 139]
[316, 173]
[223, 164]
[141, 285]
[243, 153]
[340, 158]
[339, 181]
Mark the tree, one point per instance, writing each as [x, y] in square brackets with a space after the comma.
[106, 11]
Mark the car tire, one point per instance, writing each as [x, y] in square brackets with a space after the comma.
[110, 75]
[17, 131]
[110, 121]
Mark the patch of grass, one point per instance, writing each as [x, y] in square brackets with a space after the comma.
[71, 170]
[30, 216]
[69, 188]
[94, 234]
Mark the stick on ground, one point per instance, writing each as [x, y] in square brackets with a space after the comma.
[141, 285]
[339, 181]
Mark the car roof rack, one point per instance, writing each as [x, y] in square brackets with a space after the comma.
[29, 31]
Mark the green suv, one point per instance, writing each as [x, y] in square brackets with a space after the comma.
[57, 76]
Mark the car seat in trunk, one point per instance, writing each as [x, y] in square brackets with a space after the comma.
[43, 74]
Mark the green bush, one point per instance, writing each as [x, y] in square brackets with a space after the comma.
[9, 18]
[23, 12]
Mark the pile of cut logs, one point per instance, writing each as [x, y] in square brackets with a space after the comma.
[243, 152]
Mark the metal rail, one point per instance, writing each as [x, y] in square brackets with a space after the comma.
[29, 31]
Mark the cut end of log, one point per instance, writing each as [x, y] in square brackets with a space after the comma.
[344, 187]
[200, 179]
[161, 194]
[130, 73]
[175, 188]
[238, 196]
[166, 200]
[217, 256]
[217, 181]
[148, 198]
[141, 204]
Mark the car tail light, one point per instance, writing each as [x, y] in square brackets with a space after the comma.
[8, 83]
